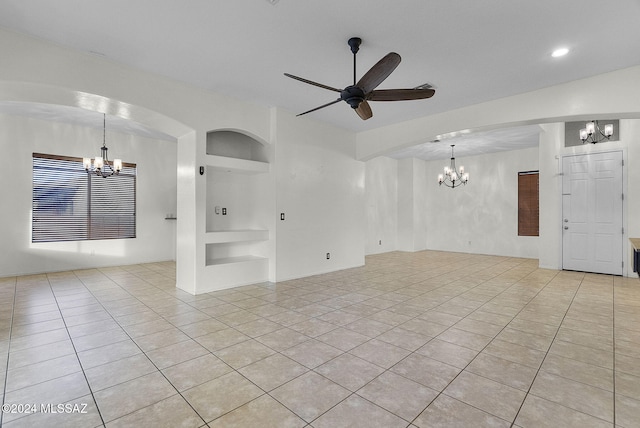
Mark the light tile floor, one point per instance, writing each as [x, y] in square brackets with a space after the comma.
[426, 339]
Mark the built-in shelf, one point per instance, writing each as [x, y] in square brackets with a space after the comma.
[232, 260]
[227, 236]
[235, 271]
[241, 166]
[234, 251]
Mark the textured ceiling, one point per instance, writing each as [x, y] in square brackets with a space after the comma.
[476, 143]
[80, 117]
[472, 51]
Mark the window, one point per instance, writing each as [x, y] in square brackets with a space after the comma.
[71, 205]
[528, 204]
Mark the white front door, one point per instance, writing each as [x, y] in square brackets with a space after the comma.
[592, 235]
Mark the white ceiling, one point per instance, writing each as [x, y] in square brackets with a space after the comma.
[81, 117]
[476, 143]
[471, 51]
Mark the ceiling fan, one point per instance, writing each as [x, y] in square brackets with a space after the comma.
[358, 94]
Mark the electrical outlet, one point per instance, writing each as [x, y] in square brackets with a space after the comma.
[328, 256]
[281, 216]
[224, 211]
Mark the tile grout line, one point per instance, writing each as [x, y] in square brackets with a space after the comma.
[285, 326]
[53, 293]
[194, 339]
[6, 371]
[439, 393]
[366, 289]
[547, 353]
[352, 393]
[234, 370]
[138, 346]
[479, 352]
[413, 352]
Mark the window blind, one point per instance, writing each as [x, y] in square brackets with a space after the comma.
[528, 204]
[71, 205]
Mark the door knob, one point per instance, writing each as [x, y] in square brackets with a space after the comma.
[566, 227]
[566, 220]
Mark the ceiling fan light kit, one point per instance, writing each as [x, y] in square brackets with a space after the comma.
[364, 90]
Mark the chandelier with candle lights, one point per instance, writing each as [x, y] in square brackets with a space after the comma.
[453, 177]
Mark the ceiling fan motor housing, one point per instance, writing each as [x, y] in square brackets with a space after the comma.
[353, 95]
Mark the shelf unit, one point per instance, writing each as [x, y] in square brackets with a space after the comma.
[235, 250]
[229, 242]
[228, 236]
[238, 259]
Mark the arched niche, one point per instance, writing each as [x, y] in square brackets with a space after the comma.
[236, 144]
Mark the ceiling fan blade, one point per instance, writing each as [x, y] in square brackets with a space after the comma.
[379, 72]
[311, 82]
[322, 106]
[364, 110]
[400, 94]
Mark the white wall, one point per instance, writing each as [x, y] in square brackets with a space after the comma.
[245, 197]
[630, 131]
[156, 197]
[381, 199]
[421, 222]
[405, 204]
[320, 188]
[412, 225]
[551, 142]
[482, 216]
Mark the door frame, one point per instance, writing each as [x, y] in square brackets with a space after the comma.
[593, 149]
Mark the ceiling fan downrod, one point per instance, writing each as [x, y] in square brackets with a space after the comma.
[354, 44]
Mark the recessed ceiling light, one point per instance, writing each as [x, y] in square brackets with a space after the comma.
[560, 52]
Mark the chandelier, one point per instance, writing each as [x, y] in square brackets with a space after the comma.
[452, 177]
[592, 133]
[101, 165]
